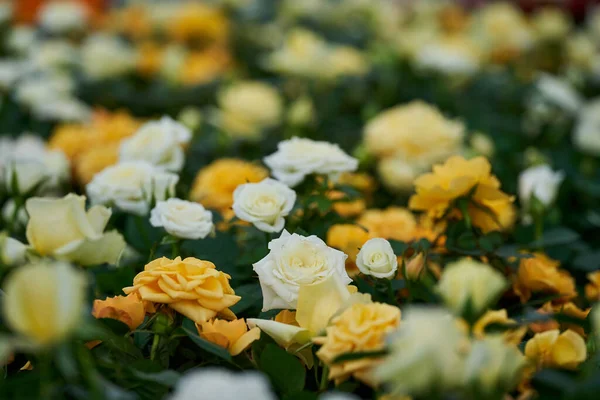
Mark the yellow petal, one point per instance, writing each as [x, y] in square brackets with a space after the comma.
[569, 350]
[245, 341]
[193, 310]
[105, 249]
[284, 334]
[318, 302]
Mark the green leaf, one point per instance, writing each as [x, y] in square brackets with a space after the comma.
[357, 355]
[167, 377]
[115, 326]
[588, 262]
[399, 247]
[304, 395]
[95, 330]
[190, 329]
[556, 237]
[251, 297]
[285, 371]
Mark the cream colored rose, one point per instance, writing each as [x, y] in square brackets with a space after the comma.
[454, 55]
[158, 143]
[425, 353]
[539, 181]
[104, 56]
[470, 286]
[294, 261]
[264, 204]
[397, 174]
[23, 176]
[62, 228]
[298, 157]
[558, 92]
[221, 384]
[376, 258]
[44, 302]
[182, 218]
[551, 23]
[249, 107]
[130, 186]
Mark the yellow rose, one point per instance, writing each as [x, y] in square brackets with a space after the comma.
[468, 286]
[541, 274]
[364, 183]
[191, 287]
[592, 289]
[204, 66]
[455, 178]
[556, 350]
[249, 107]
[551, 24]
[113, 127]
[195, 21]
[44, 301]
[361, 327]
[71, 139]
[63, 229]
[214, 185]
[94, 160]
[349, 239]
[127, 309]
[491, 317]
[232, 335]
[392, 223]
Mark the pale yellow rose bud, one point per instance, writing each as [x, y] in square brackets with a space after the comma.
[11, 250]
[44, 301]
[413, 268]
[469, 287]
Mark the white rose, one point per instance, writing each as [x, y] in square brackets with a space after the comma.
[37, 90]
[21, 38]
[11, 250]
[63, 16]
[587, 131]
[130, 186]
[558, 92]
[8, 212]
[293, 261]
[376, 258]
[106, 56]
[159, 143]
[22, 176]
[10, 72]
[539, 181]
[264, 204]
[182, 219]
[221, 384]
[67, 109]
[298, 157]
[53, 54]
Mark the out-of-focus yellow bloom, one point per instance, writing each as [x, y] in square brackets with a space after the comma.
[94, 160]
[392, 223]
[348, 238]
[512, 336]
[362, 327]
[204, 66]
[127, 309]
[44, 302]
[192, 287]
[199, 22]
[363, 183]
[551, 23]
[214, 185]
[456, 178]
[541, 274]
[232, 335]
[149, 58]
[556, 350]
[592, 289]
[568, 309]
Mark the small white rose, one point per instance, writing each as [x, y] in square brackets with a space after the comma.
[298, 157]
[22, 176]
[63, 16]
[104, 56]
[539, 181]
[559, 92]
[158, 143]
[182, 218]
[293, 261]
[131, 186]
[586, 136]
[8, 213]
[12, 251]
[264, 204]
[376, 258]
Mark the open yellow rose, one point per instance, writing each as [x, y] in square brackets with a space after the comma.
[192, 287]
[232, 335]
[127, 309]
[44, 301]
[541, 274]
[592, 289]
[395, 223]
[361, 327]
[490, 208]
[500, 317]
[569, 309]
[63, 229]
[348, 238]
[556, 350]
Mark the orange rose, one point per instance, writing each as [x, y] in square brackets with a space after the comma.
[231, 335]
[129, 310]
[541, 274]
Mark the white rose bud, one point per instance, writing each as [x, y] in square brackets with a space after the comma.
[8, 212]
[11, 250]
[182, 219]
[376, 258]
[586, 135]
[264, 204]
[539, 181]
[298, 157]
[159, 143]
[63, 16]
[293, 261]
[27, 174]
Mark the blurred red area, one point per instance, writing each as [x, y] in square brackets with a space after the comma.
[26, 10]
